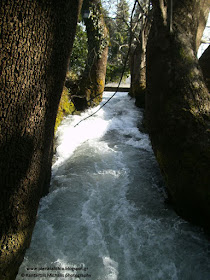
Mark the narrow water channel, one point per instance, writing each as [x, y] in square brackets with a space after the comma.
[105, 216]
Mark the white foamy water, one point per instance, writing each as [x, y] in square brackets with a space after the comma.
[205, 37]
[105, 217]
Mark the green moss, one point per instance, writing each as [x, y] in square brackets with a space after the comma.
[94, 93]
[71, 75]
[66, 107]
[186, 56]
[100, 84]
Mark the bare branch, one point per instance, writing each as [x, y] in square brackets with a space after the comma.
[203, 41]
[140, 6]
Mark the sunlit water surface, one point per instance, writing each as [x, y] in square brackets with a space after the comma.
[105, 216]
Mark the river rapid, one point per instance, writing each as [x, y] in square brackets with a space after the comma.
[105, 217]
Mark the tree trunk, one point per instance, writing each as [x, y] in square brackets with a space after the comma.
[178, 106]
[138, 74]
[138, 63]
[36, 40]
[91, 86]
[204, 62]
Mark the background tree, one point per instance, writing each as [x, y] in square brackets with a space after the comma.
[91, 84]
[178, 105]
[141, 27]
[36, 40]
[119, 41]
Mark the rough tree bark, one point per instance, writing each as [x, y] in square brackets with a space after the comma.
[91, 86]
[36, 39]
[178, 105]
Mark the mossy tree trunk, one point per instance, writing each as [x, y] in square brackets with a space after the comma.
[91, 85]
[178, 105]
[36, 40]
[138, 62]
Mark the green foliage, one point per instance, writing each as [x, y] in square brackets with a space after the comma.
[114, 72]
[122, 17]
[119, 41]
[80, 50]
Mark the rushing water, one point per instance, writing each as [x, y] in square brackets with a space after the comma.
[105, 217]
